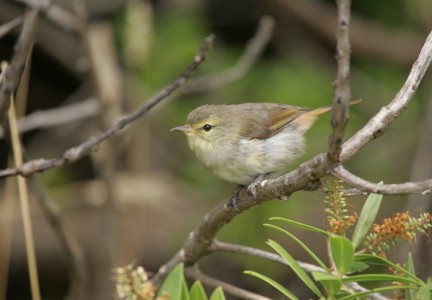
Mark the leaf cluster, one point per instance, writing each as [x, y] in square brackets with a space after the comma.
[347, 266]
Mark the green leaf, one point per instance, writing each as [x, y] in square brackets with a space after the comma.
[173, 284]
[378, 260]
[424, 292]
[367, 217]
[295, 267]
[197, 291]
[331, 283]
[299, 242]
[185, 291]
[218, 294]
[377, 290]
[274, 284]
[300, 225]
[378, 277]
[410, 294]
[357, 266]
[342, 253]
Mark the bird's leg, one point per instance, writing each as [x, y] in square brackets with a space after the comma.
[234, 197]
[252, 187]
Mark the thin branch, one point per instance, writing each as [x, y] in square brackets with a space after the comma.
[75, 153]
[195, 273]
[21, 50]
[342, 93]
[7, 27]
[58, 116]
[60, 16]
[218, 246]
[382, 120]
[419, 187]
[252, 52]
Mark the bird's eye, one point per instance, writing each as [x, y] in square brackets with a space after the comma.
[207, 127]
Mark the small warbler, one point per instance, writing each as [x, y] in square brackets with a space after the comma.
[241, 143]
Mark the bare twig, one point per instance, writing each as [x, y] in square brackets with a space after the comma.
[195, 273]
[7, 27]
[218, 246]
[58, 116]
[75, 153]
[58, 15]
[254, 48]
[22, 48]
[382, 120]
[342, 93]
[419, 187]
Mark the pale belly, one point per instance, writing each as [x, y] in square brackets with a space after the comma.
[249, 159]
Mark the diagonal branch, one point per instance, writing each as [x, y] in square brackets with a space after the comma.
[253, 50]
[382, 120]
[75, 153]
[9, 26]
[57, 116]
[342, 94]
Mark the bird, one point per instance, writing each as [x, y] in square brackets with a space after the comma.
[246, 143]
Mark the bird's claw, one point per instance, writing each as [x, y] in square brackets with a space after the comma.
[232, 201]
[252, 188]
[252, 191]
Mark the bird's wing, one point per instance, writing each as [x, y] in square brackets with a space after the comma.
[270, 120]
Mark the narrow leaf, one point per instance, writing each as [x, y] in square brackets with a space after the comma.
[342, 253]
[295, 267]
[424, 293]
[378, 277]
[410, 294]
[185, 290]
[274, 284]
[378, 260]
[300, 243]
[331, 283]
[173, 284]
[197, 291]
[218, 294]
[357, 266]
[300, 225]
[367, 217]
[377, 290]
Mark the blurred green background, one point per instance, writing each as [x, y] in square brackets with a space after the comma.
[161, 191]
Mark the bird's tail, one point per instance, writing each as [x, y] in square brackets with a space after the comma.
[306, 120]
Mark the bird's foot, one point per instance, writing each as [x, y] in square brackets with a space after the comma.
[253, 186]
[232, 201]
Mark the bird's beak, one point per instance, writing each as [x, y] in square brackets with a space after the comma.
[185, 129]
